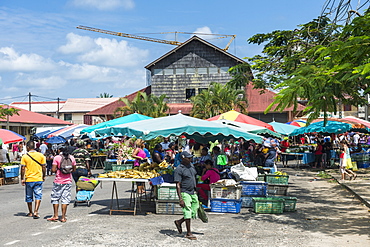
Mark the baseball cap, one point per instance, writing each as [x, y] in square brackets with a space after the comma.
[186, 154]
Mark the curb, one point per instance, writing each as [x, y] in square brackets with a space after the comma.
[365, 202]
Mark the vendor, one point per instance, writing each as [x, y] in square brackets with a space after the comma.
[210, 175]
[139, 154]
[4, 156]
[158, 156]
[284, 145]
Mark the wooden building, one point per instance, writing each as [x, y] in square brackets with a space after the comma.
[189, 68]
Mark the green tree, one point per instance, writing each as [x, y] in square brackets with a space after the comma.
[332, 74]
[149, 105]
[7, 111]
[104, 95]
[218, 99]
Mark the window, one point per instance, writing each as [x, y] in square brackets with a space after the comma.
[202, 71]
[168, 71]
[67, 117]
[201, 89]
[224, 69]
[347, 108]
[190, 71]
[158, 71]
[213, 70]
[180, 71]
[190, 93]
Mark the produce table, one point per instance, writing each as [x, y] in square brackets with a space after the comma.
[303, 158]
[98, 161]
[115, 193]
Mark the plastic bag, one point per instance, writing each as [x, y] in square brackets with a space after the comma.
[242, 173]
[202, 214]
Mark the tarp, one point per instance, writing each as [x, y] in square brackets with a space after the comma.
[239, 117]
[254, 129]
[122, 120]
[68, 131]
[45, 133]
[55, 140]
[358, 120]
[176, 125]
[330, 127]
[8, 136]
[283, 128]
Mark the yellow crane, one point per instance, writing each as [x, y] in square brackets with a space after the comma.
[170, 42]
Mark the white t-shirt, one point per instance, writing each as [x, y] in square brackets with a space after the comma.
[3, 158]
[43, 148]
[356, 138]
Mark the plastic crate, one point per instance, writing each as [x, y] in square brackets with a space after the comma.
[168, 207]
[362, 164]
[121, 167]
[261, 177]
[219, 205]
[268, 205]
[11, 171]
[256, 188]
[289, 203]
[167, 191]
[226, 192]
[276, 179]
[277, 189]
[247, 201]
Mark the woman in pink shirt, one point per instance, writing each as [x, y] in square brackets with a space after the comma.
[62, 185]
[210, 175]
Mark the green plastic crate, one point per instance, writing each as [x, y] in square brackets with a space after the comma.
[277, 179]
[167, 192]
[261, 177]
[121, 167]
[289, 203]
[268, 205]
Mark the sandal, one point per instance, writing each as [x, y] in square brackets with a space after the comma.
[191, 237]
[178, 226]
[36, 216]
[354, 177]
[63, 220]
[29, 215]
[52, 219]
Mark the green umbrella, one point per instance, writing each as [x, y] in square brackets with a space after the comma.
[122, 120]
[176, 125]
[330, 127]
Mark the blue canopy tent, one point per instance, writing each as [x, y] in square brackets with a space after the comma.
[283, 128]
[122, 120]
[330, 127]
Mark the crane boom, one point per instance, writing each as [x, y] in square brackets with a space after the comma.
[130, 35]
[170, 42]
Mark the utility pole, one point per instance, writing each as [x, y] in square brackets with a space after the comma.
[29, 101]
[58, 108]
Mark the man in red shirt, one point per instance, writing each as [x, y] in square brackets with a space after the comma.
[284, 145]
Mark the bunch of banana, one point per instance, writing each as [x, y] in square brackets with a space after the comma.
[131, 173]
[280, 173]
[163, 164]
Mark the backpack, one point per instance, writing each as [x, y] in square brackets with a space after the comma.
[66, 166]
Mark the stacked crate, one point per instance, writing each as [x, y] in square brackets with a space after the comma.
[225, 199]
[167, 199]
[277, 184]
[252, 189]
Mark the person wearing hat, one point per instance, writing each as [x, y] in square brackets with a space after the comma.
[184, 176]
[284, 145]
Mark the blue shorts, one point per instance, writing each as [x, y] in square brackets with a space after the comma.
[33, 188]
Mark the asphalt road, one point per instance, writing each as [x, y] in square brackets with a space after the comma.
[326, 215]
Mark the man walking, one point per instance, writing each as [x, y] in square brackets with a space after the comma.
[82, 157]
[33, 173]
[184, 177]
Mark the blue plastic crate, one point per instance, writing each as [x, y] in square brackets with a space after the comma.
[255, 188]
[219, 205]
[84, 195]
[362, 164]
[247, 201]
[11, 171]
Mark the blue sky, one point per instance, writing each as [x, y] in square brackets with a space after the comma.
[42, 52]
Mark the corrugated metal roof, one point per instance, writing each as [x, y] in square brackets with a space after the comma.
[185, 108]
[42, 106]
[33, 117]
[187, 42]
[85, 104]
[259, 102]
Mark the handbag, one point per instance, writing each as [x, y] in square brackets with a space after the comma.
[202, 214]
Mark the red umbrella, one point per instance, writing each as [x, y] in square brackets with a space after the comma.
[8, 136]
[239, 117]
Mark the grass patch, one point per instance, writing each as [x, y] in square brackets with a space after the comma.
[323, 174]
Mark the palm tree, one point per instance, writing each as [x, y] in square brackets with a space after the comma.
[218, 99]
[149, 105]
[104, 95]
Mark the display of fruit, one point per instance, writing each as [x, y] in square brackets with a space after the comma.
[130, 173]
[280, 173]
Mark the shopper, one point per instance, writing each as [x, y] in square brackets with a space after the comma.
[61, 192]
[158, 155]
[210, 175]
[33, 171]
[139, 156]
[49, 154]
[83, 158]
[184, 176]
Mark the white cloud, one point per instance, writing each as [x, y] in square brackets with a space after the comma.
[40, 81]
[105, 4]
[10, 60]
[204, 30]
[103, 51]
[77, 44]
